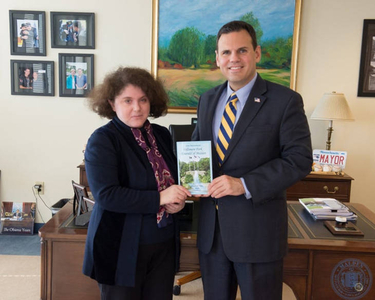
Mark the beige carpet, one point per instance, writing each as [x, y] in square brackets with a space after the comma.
[19, 277]
[20, 280]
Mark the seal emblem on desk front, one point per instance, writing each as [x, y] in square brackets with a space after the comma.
[351, 279]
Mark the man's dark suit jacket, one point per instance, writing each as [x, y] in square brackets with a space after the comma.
[271, 150]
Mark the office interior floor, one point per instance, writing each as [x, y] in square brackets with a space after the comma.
[20, 280]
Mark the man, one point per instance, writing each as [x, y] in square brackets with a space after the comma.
[76, 27]
[38, 83]
[17, 214]
[33, 40]
[71, 80]
[81, 80]
[24, 34]
[26, 82]
[69, 38]
[242, 233]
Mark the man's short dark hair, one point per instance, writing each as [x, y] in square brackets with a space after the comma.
[236, 26]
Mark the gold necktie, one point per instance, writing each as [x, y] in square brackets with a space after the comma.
[226, 127]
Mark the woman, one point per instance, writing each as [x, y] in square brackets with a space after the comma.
[131, 170]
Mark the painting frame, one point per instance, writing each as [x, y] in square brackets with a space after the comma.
[77, 83]
[72, 30]
[27, 32]
[366, 81]
[193, 110]
[32, 77]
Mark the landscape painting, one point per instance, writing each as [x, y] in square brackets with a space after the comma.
[184, 43]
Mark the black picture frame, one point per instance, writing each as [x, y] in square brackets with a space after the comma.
[72, 30]
[27, 32]
[366, 83]
[38, 81]
[76, 87]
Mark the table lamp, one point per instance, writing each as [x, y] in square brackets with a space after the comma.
[332, 106]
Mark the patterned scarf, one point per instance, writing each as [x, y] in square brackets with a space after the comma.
[162, 173]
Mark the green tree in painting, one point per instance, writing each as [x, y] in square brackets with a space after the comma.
[209, 49]
[190, 48]
[163, 54]
[276, 54]
[186, 47]
[253, 21]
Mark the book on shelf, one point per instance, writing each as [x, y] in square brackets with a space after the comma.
[327, 208]
[194, 163]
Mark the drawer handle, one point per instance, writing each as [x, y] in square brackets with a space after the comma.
[335, 189]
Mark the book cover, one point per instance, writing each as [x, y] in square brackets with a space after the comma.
[194, 162]
[17, 217]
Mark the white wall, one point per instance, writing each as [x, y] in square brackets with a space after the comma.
[330, 51]
[42, 138]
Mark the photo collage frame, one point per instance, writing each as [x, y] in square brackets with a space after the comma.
[68, 31]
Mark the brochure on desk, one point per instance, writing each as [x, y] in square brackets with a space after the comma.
[194, 161]
[326, 208]
[17, 217]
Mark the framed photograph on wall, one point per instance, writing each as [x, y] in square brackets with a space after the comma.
[27, 32]
[366, 84]
[72, 30]
[76, 74]
[32, 78]
[184, 44]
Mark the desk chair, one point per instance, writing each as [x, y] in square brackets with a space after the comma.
[182, 133]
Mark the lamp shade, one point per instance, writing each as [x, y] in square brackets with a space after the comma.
[332, 106]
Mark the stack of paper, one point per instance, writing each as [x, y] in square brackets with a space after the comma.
[327, 209]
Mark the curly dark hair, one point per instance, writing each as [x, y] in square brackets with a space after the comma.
[116, 81]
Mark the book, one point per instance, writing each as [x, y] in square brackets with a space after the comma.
[17, 217]
[351, 217]
[194, 163]
[327, 209]
[324, 206]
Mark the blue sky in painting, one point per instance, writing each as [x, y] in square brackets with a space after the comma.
[275, 16]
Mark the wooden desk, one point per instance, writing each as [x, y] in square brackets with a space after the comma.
[313, 185]
[62, 251]
[319, 263]
[316, 260]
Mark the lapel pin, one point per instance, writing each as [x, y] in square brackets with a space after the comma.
[256, 99]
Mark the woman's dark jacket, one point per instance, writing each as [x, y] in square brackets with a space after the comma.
[124, 188]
